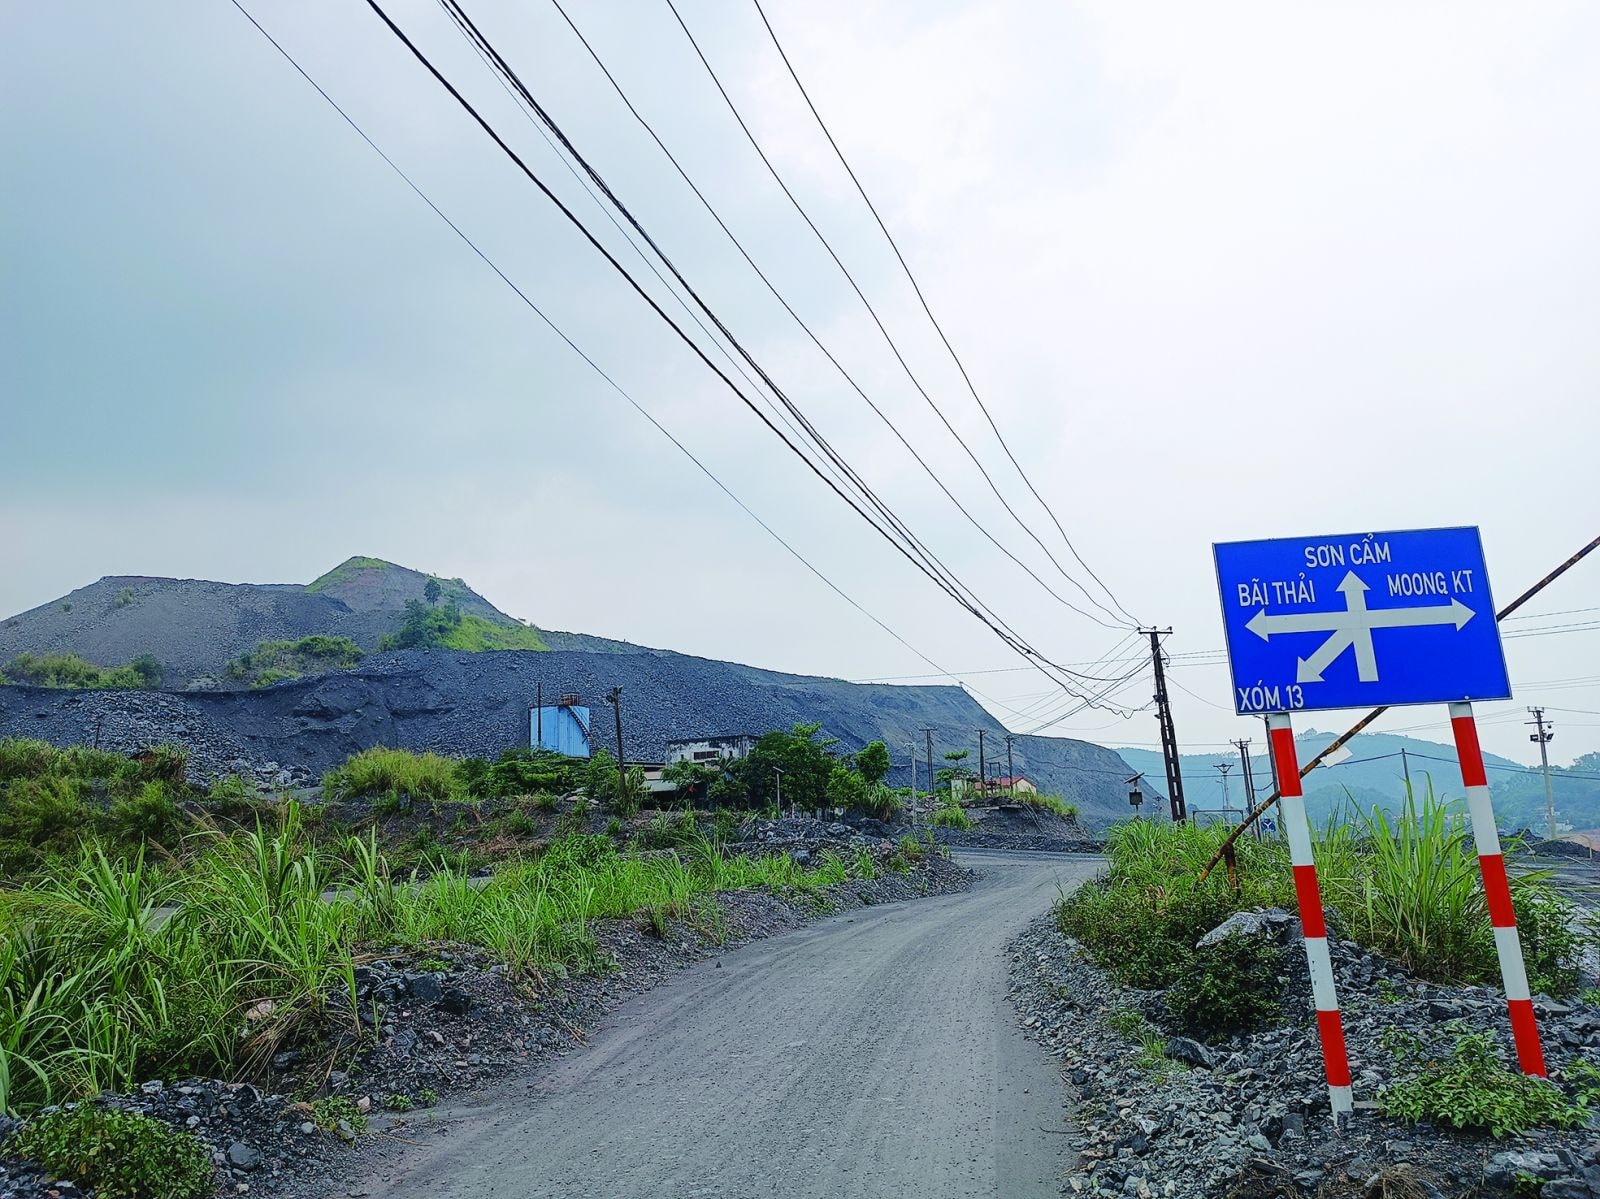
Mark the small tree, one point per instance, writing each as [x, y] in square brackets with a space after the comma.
[431, 591]
[873, 762]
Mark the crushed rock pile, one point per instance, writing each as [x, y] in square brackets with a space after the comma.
[1250, 1118]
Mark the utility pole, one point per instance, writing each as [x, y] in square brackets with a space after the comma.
[928, 733]
[1543, 737]
[538, 694]
[983, 779]
[1011, 770]
[1223, 768]
[1169, 738]
[913, 756]
[1405, 766]
[1249, 779]
[614, 698]
[777, 772]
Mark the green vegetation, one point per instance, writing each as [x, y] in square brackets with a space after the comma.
[345, 571]
[122, 1155]
[1130, 1024]
[1472, 1088]
[274, 661]
[1407, 888]
[812, 777]
[99, 990]
[72, 672]
[124, 598]
[1047, 803]
[394, 774]
[448, 627]
[952, 815]
[1232, 986]
[53, 800]
[330, 1111]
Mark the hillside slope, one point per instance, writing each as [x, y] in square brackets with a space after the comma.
[194, 626]
[478, 703]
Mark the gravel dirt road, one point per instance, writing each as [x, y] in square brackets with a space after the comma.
[871, 1054]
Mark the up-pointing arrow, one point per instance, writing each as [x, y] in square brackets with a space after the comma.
[1352, 628]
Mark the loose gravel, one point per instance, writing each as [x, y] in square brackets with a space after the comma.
[1249, 1119]
[445, 1021]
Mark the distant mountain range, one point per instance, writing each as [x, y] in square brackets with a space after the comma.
[1373, 775]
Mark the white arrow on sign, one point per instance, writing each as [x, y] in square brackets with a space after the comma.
[1352, 628]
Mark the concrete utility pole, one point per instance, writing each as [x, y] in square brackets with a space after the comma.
[1011, 770]
[913, 756]
[1169, 738]
[1249, 779]
[1543, 737]
[1405, 767]
[928, 733]
[614, 698]
[1222, 769]
[983, 779]
[778, 775]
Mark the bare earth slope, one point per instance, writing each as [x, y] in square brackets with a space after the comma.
[867, 1055]
[193, 626]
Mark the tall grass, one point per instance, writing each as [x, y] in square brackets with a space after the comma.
[112, 971]
[381, 771]
[1408, 887]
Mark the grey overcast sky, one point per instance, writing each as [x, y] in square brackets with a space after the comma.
[1220, 271]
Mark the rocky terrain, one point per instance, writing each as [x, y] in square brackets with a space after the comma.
[1250, 1118]
[443, 1021]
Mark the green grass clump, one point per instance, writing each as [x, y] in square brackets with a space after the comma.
[1047, 803]
[124, 597]
[345, 571]
[1228, 987]
[274, 661]
[71, 672]
[382, 772]
[122, 1155]
[328, 1111]
[1472, 1088]
[952, 815]
[476, 634]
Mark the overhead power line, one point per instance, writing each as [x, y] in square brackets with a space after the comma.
[882, 328]
[923, 300]
[910, 552]
[928, 561]
[576, 349]
[507, 78]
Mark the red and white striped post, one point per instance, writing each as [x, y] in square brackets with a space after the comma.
[1524, 1026]
[1330, 1026]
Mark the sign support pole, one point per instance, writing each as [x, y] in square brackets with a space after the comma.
[1330, 1025]
[1496, 888]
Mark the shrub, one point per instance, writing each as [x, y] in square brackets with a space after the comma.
[71, 672]
[522, 771]
[122, 1155]
[149, 815]
[1228, 987]
[124, 597]
[1472, 1088]
[380, 771]
[952, 815]
[1048, 803]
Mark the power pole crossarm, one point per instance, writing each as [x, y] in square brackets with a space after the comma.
[1543, 737]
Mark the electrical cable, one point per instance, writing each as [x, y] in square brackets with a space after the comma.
[612, 383]
[888, 422]
[923, 558]
[922, 299]
[889, 340]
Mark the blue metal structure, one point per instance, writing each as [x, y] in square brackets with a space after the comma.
[1358, 620]
[565, 729]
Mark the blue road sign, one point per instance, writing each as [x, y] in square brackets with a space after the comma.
[1358, 620]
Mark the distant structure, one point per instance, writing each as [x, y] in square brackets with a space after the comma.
[1013, 785]
[563, 727]
[705, 750]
